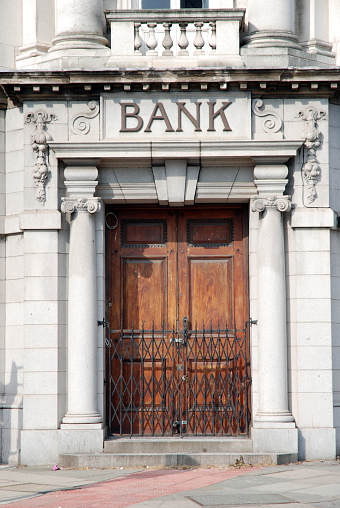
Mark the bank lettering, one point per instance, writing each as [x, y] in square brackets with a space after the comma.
[130, 113]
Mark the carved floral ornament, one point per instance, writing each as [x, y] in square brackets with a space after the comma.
[70, 205]
[39, 141]
[281, 203]
[312, 141]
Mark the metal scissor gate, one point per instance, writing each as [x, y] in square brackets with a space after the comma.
[186, 382]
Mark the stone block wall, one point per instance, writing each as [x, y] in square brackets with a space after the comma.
[10, 32]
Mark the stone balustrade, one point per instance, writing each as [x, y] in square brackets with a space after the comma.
[191, 33]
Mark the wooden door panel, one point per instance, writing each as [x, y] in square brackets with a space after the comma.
[143, 233]
[210, 283]
[209, 232]
[144, 295]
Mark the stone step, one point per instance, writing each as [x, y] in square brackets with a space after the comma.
[176, 444]
[109, 460]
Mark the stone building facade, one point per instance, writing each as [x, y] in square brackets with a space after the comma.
[199, 143]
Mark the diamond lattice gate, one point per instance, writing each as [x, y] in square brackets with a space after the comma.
[168, 269]
[187, 382]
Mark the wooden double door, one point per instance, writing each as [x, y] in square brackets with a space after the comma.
[177, 293]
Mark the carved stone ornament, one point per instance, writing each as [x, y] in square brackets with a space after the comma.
[281, 203]
[312, 140]
[70, 205]
[272, 122]
[39, 142]
[80, 123]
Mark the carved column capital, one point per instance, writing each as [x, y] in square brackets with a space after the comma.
[70, 205]
[281, 203]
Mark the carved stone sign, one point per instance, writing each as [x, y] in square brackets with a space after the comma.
[181, 116]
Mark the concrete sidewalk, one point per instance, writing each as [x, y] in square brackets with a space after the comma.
[294, 485]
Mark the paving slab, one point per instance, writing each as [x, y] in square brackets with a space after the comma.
[327, 504]
[239, 499]
[330, 490]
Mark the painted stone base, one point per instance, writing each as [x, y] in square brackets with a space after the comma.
[81, 438]
[39, 447]
[315, 444]
[277, 440]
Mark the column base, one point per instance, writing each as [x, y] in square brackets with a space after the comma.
[272, 38]
[89, 418]
[81, 439]
[282, 439]
[267, 419]
[78, 41]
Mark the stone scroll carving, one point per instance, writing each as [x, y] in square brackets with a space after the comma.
[271, 121]
[312, 141]
[70, 205]
[39, 141]
[80, 123]
[281, 203]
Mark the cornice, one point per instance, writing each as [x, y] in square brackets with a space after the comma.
[277, 151]
[34, 84]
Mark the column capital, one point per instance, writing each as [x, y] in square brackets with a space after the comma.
[70, 205]
[281, 203]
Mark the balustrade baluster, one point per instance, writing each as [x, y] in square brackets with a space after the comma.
[199, 41]
[212, 41]
[138, 40]
[167, 41]
[152, 41]
[183, 41]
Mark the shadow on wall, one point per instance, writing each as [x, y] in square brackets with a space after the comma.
[11, 418]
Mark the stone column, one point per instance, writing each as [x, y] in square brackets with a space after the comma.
[272, 311]
[271, 23]
[79, 25]
[82, 411]
[273, 426]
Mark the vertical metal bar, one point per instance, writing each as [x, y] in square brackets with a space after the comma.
[205, 383]
[172, 380]
[237, 403]
[152, 379]
[110, 379]
[228, 376]
[121, 381]
[219, 381]
[131, 386]
[211, 379]
[142, 382]
[162, 374]
[195, 378]
[246, 340]
[185, 373]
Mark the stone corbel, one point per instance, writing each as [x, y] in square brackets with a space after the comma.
[39, 141]
[311, 169]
